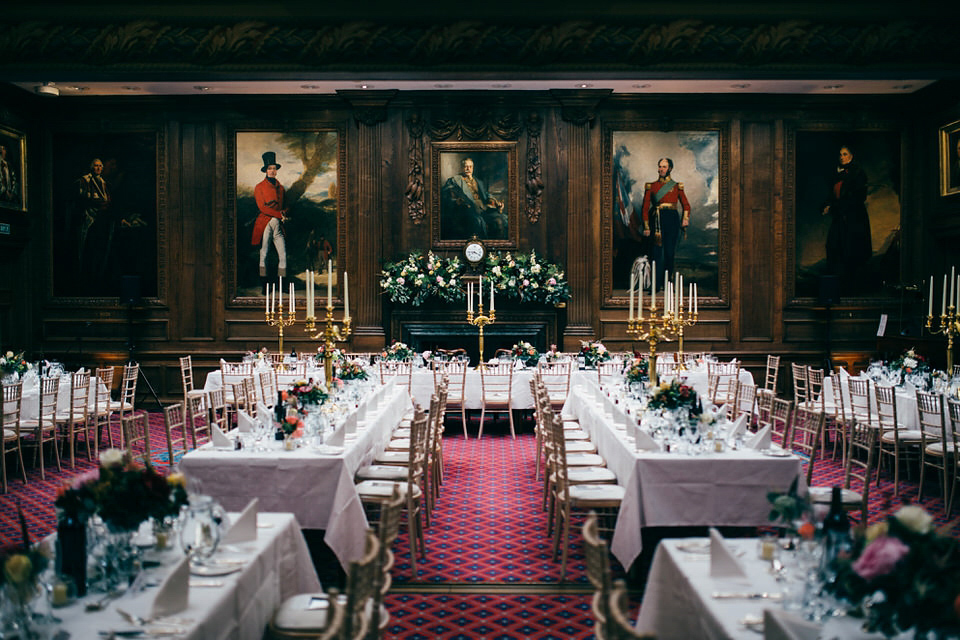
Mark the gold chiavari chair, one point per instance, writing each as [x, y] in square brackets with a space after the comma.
[781, 413]
[175, 425]
[496, 382]
[136, 430]
[903, 445]
[842, 417]
[44, 426]
[935, 452]
[126, 405]
[269, 388]
[807, 433]
[619, 626]
[399, 370]
[860, 458]
[456, 374]
[198, 421]
[186, 378]
[799, 372]
[746, 400]
[12, 406]
[100, 407]
[722, 378]
[218, 409]
[597, 557]
[556, 376]
[73, 419]
[953, 412]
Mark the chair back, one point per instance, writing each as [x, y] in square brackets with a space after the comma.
[198, 420]
[932, 420]
[555, 376]
[455, 371]
[771, 373]
[609, 371]
[598, 570]
[722, 379]
[807, 435]
[79, 397]
[953, 412]
[12, 406]
[268, 388]
[861, 408]
[781, 413]
[619, 626]
[861, 457]
[887, 408]
[186, 374]
[496, 381]
[361, 587]
[49, 401]
[746, 399]
[217, 404]
[399, 370]
[815, 397]
[128, 388]
[174, 423]
[799, 382]
[232, 373]
[101, 397]
[136, 431]
[841, 402]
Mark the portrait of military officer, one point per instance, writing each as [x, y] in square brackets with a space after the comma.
[665, 215]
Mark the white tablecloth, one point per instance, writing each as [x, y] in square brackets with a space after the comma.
[678, 602]
[908, 416]
[674, 490]
[30, 402]
[214, 379]
[278, 565]
[317, 488]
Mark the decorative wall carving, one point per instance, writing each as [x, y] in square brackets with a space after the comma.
[533, 182]
[582, 45]
[414, 190]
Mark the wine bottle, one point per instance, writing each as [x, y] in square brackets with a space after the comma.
[279, 413]
[836, 533]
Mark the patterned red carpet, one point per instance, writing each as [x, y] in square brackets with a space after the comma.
[489, 571]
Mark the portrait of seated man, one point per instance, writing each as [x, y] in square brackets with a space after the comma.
[468, 209]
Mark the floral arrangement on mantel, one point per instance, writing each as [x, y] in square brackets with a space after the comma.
[526, 353]
[523, 277]
[673, 395]
[12, 362]
[418, 277]
[514, 275]
[903, 575]
[397, 351]
[122, 493]
[638, 370]
[593, 352]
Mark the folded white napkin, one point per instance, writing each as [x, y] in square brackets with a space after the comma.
[336, 440]
[244, 528]
[723, 564]
[264, 413]
[245, 423]
[781, 625]
[739, 426]
[350, 425]
[843, 372]
[760, 440]
[644, 441]
[220, 441]
[174, 592]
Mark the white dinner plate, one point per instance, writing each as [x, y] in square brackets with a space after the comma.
[776, 453]
[211, 570]
[694, 546]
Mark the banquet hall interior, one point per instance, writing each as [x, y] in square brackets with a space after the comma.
[401, 295]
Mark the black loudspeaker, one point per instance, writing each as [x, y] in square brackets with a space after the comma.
[829, 289]
[129, 289]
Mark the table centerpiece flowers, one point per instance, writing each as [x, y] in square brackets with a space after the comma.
[19, 578]
[552, 354]
[397, 351]
[792, 511]
[526, 353]
[674, 395]
[903, 575]
[638, 369]
[306, 393]
[13, 365]
[593, 352]
[352, 371]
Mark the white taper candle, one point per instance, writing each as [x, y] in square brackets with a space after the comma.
[653, 287]
[346, 294]
[329, 283]
[930, 299]
[630, 315]
[943, 302]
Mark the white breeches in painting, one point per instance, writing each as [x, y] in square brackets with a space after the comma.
[273, 234]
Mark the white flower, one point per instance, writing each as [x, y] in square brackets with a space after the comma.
[706, 417]
[496, 270]
[915, 518]
[112, 458]
[535, 268]
[910, 363]
[9, 354]
[29, 366]
[601, 348]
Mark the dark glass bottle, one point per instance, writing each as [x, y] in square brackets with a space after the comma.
[72, 551]
[836, 533]
[280, 413]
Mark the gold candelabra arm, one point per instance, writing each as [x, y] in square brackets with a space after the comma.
[949, 327]
[480, 320]
[276, 319]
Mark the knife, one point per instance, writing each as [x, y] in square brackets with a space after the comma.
[739, 595]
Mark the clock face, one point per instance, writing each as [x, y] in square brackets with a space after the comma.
[474, 251]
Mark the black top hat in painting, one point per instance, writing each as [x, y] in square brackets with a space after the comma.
[269, 158]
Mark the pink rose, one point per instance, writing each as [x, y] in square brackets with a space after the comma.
[880, 557]
[85, 478]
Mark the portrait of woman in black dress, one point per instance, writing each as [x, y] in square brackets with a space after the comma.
[849, 244]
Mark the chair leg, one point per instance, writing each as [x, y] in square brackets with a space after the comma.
[463, 418]
[56, 449]
[23, 467]
[412, 518]
[483, 414]
[3, 468]
[38, 453]
[510, 415]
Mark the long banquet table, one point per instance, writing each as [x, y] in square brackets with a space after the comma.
[678, 600]
[676, 490]
[237, 606]
[318, 488]
[908, 416]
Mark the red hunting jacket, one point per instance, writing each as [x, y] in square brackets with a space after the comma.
[270, 203]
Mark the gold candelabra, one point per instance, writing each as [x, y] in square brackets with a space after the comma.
[684, 318]
[949, 326]
[480, 321]
[653, 329]
[276, 319]
[330, 334]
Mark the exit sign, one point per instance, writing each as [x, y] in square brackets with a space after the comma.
[4, 228]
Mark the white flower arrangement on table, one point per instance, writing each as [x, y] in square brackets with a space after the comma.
[397, 351]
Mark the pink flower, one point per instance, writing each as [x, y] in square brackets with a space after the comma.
[552, 281]
[880, 557]
[526, 282]
[85, 478]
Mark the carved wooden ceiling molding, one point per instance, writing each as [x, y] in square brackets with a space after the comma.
[147, 45]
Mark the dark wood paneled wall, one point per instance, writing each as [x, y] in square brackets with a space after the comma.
[196, 313]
